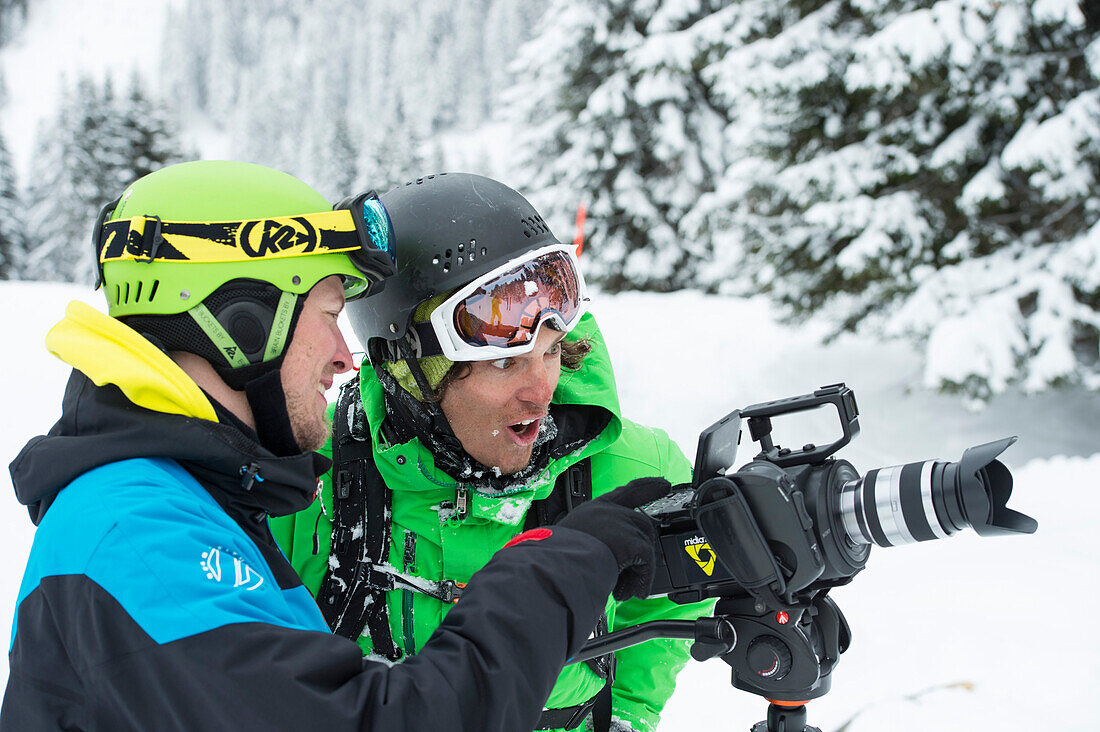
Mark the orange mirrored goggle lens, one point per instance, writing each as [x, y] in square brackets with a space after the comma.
[507, 311]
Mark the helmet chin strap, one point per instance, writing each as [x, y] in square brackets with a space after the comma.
[409, 417]
[267, 400]
[436, 421]
[222, 330]
[410, 358]
[261, 380]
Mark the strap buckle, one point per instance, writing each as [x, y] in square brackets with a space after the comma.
[343, 483]
[450, 591]
[556, 719]
[377, 579]
[340, 540]
[582, 711]
[150, 244]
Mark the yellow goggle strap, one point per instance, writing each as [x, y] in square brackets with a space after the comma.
[145, 238]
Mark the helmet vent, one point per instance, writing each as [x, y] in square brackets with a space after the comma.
[458, 255]
[420, 181]
[129, 293]
[534, 225]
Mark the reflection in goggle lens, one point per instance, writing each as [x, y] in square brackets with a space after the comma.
[507, 311]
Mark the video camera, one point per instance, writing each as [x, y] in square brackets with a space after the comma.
[771, 539]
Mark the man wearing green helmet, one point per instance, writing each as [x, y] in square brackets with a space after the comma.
[491, 408]
[155, 596]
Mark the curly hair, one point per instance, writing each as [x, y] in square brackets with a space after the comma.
[572, 356]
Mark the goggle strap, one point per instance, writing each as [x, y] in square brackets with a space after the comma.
[97, 238]
[328, 232]
[280, 326]
[429, 342]
[218, 336]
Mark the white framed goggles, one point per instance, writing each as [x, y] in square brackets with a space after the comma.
[500, 313]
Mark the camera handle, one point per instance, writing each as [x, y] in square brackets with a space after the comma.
[713, 637]
[760, 424]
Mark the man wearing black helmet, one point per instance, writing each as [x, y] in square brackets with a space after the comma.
[155, 597]
[490, 409]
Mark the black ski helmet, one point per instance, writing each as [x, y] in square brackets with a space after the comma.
[449, 228]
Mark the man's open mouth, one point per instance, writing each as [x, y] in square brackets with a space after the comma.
[526, 431]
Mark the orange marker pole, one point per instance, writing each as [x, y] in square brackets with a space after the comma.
[578, 240]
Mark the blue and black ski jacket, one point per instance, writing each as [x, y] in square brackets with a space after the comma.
[155, 598]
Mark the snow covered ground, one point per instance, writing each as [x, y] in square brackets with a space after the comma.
[960, 634]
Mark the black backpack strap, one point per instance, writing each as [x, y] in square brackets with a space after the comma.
[574, 487]
[599, 706]
[577, 486]
[353, 594]
[601, 710]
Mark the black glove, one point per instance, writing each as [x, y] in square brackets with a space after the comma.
[630, 534]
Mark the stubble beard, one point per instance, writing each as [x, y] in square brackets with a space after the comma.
[517, 468]
[311, 432]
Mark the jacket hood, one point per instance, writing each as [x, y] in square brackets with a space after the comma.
[594, 383]
[126, 399]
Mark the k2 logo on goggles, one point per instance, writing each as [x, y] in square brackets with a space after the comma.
[148, 238]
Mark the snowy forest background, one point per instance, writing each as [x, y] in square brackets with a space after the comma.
[885, 193]
[902, 168]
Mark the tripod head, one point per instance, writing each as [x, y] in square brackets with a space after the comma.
[785, 655]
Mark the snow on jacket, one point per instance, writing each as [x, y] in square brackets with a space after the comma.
[448, 547]
[156, 599]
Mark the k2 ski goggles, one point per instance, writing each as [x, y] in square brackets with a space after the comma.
[500, 313]
[181, 262]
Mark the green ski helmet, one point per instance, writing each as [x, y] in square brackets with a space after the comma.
[215, 258]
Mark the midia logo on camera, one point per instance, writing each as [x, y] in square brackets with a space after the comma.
[699, 550]
[277, 236]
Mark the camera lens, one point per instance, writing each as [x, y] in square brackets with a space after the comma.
[895, 505]
[932, 500]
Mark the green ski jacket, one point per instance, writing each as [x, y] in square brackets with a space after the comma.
[448, 547]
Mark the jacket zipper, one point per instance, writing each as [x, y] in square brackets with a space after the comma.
[407, 596]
